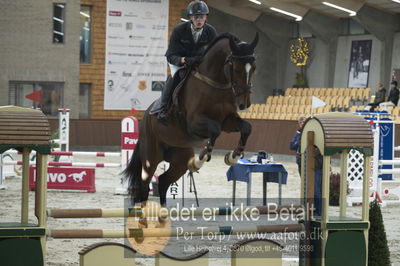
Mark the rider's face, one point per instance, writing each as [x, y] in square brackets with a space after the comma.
[198, 20]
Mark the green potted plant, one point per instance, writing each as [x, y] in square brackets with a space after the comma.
[378, 250]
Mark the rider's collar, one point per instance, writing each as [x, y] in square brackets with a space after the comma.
[194, 29]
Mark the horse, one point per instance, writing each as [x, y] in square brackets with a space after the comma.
[207, 105]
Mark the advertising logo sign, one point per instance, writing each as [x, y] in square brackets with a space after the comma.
[66, 178]
[134, 41]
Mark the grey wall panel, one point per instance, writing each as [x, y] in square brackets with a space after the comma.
[317, 71]
[396, 52]
[343, 60]
[28, 53]
[265, 78]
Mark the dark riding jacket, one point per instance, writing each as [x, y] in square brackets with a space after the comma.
[394, 96]
[182, 43]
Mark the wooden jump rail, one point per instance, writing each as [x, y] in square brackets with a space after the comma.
[171, 232]
[164, 212]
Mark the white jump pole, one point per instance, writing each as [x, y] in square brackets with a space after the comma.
[2, 176]
[67, 164]
[375, 184]
[129, 139]
[75, 153]
[6, 170]
[389, 171]
[63, 125]
[378, 185]
[390, 162]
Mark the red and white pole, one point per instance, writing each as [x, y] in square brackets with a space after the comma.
[129, 139]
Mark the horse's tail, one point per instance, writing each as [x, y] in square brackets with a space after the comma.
[133, 172]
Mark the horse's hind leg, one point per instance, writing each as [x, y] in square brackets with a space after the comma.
[178, 159]
[148, 170]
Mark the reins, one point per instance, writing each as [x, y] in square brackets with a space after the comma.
[230, 85]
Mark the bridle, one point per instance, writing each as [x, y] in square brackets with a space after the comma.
[231, 84]
[241, 59]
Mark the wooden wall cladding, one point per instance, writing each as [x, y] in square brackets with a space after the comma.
[272, 136]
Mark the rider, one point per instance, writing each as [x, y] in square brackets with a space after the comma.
[187, 43]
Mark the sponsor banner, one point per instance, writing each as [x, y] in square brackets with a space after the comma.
[386, 144]
[136, 41]
[129, 140]
[66, 178]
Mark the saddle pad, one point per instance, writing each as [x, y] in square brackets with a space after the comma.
[177, 83]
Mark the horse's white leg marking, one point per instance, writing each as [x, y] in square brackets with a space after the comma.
[145, 175]
[199, 163]
[230, 160]
[147, 164]
[195, 163]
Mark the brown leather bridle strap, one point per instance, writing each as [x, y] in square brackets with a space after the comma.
[230, 85]
[243, 58]
[211, 82]
[230, 60]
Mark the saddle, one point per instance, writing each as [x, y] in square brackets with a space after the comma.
[177, 83]
[182, 77]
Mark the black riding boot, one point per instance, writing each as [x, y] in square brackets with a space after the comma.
[165, 98]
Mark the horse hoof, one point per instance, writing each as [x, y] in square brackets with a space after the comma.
[208, 157]
[162, 221]
[139, 239]
[143, 222]
[229, 159]
[192, 165]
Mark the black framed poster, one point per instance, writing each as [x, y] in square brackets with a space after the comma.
[359, 64]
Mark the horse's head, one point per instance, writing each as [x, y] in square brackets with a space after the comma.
[240, 68]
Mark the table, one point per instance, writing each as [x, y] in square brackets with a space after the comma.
[272, 172]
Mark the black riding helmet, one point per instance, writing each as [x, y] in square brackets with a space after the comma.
[197, 8]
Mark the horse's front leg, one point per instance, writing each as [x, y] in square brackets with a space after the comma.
[204, 127]
[233, 124]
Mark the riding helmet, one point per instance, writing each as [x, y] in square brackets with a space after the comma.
[197, 8]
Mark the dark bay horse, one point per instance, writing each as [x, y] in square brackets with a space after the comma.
[207, 105]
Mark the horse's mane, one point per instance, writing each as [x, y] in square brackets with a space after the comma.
[225, 35]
